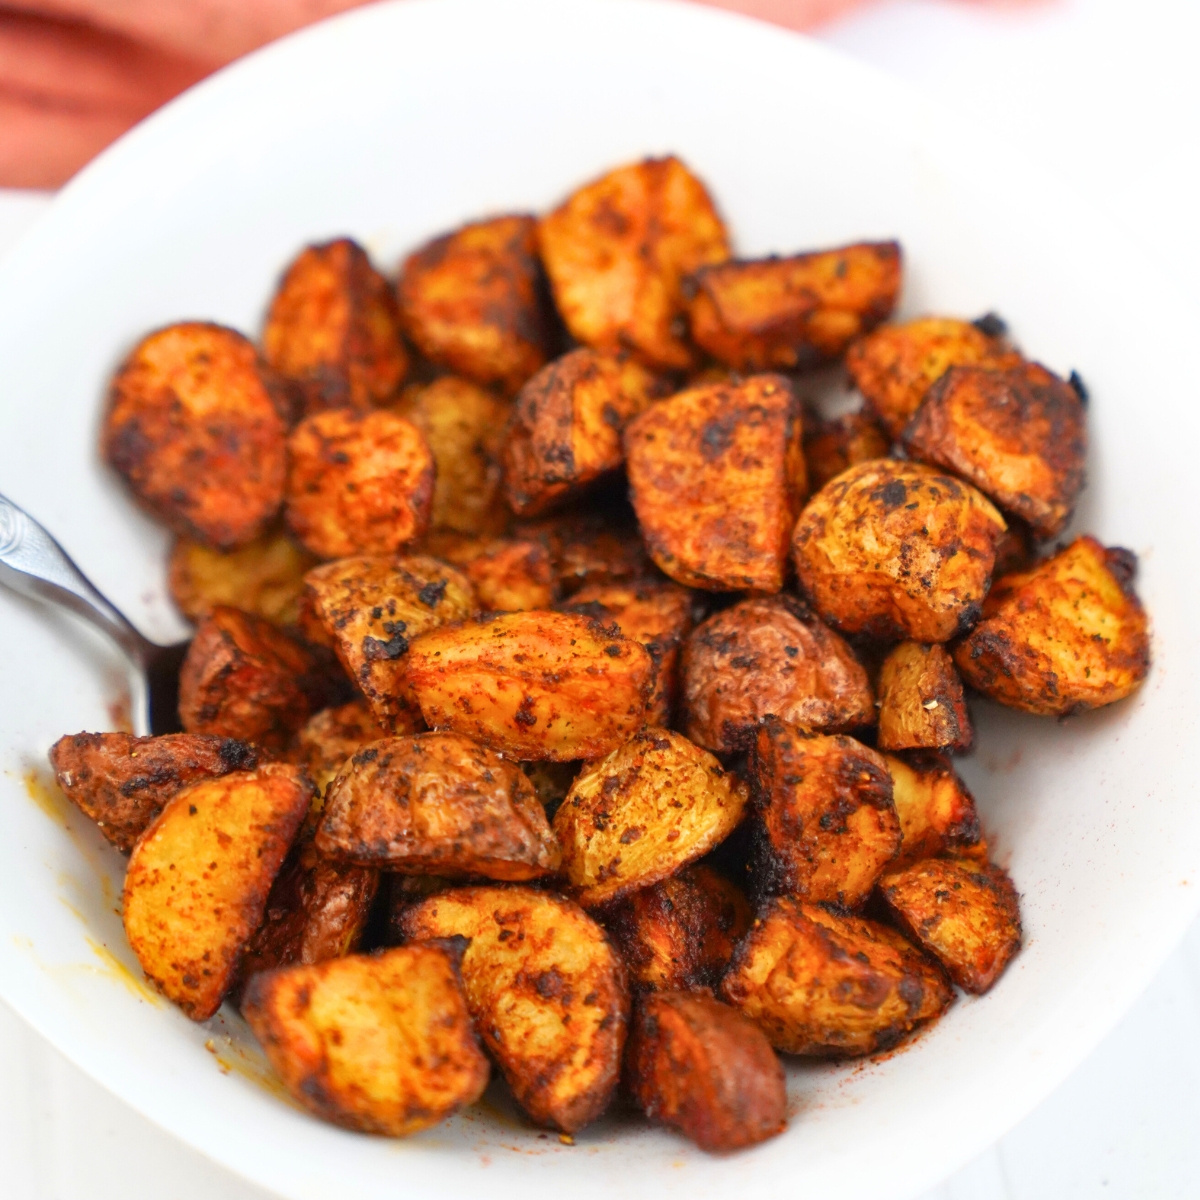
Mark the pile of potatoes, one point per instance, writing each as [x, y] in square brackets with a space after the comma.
[567, 694]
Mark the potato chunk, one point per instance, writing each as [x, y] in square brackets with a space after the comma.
[717, 479]
[824, 825]
[936, 811]
[897, 550]
[964, 913]
[333, 330]
[199, 877]
[780, 314]
[534, 685]
[832, 986]
[830, 446]
[546, 989]
[589, 548]
[122, 781]
[1066, 636]
[472, 300]
[921, 704]
[197, 424]
[508, 574]
[650, 807]
[566, 426]
[769, 656]
[437, 804]
[358, 483]
[380, 1044]
[701, 1067]
[617, 251]
[333, 735]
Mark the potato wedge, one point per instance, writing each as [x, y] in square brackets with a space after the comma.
[653, 805]
[545, 988]
[199, 878]
[508, 574]
[921, 704]
[334, 734]
[830, 446]
[832, 986]
[197, 425]
[381, 1044]
[936, 810]
[589, 547]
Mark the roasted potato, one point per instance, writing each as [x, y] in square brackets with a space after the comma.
[508, 574]
[717, 479]
[824, 825]
[587, 548]
[380, 1044]
[122, 781]
[1015, 550]
[534, 685]
[437, 804]
[921, 705]
[701, 1067]
[829, 985]
[199, 878]
[1068, 635]
[780, 314]
[1018, 434]
[551, 781]
[473, 300]
[964, 913]
[545, 988]
[650, 807]
[333, 331]
[769, 656]
[617, 251]
[358, 483]
[830, 446]
[197, 425]
[936, 811]
[897, 550]
[334, 734]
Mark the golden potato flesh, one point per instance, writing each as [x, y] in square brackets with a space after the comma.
[437, 804]
[1018, 434]
[381, 1044]
[769, 656]
[546, 991]
[617, 251]
[830, 446]
[472, 301]
[936, 811]
[717, 479]
[650, 807]
[358, 483]
[533, 685]
[701, 1067]
[897, 550]
[333, 735]
[921, 704]
[122, 781]
[588, 548]
[819, 983]
[566, 426]
[964, 913]
[780, 314]
[199, 878]
[197, 425]
[508, 574]
[333, 330]
[824, 825]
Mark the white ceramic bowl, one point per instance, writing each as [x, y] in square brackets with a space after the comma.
[397, 122]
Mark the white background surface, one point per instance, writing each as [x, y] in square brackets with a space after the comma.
[1107, 94]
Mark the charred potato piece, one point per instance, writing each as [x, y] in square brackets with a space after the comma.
[547, 990]
[1014, 550]
[964, 913]
[617, 251]
[823, 984]
[830, 446]
[381, 1044]
[1018, 434]
[1068, 635]
[586, 548]
[508, 574]
[472, 300]
[936, 811]
[824, 823]
[921, 705]
[122, 781]
[437, 804]
[701, 1067]
[551, 781]
[717, 479]
[780, 314]
[333, 330]
[199, 878]
[358, 483]
[897, 550]
[769, 656]
[333, 735]
[534, 685]
[197, 425]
